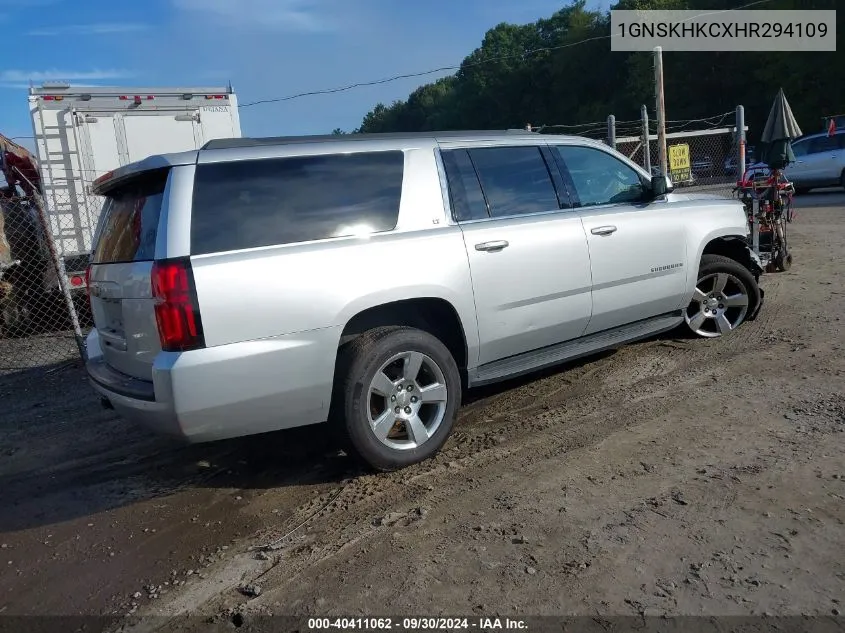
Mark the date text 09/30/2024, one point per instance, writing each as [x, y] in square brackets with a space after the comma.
[417, 624]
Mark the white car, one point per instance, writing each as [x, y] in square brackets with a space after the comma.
[819, 162]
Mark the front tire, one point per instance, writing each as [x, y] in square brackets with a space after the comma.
[397, 394]
[726, 293]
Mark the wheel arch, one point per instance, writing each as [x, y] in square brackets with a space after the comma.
[432, 314]
[735, 247]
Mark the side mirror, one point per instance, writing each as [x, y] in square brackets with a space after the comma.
[661, 185]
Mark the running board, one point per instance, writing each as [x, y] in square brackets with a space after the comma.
[528, 362]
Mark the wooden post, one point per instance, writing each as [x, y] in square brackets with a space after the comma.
[661, 109]
[646, 144]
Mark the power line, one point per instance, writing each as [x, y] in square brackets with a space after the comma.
[489, 60]
[711, 125]
[577, 125]
[710, 118]
[634, 128]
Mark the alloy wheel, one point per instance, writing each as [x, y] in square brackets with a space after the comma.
[719, 305]
[407, 400]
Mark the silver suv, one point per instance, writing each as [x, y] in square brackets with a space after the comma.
[367, 280]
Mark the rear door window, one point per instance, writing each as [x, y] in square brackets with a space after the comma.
[128, 224]
[822, 144]
[255, 203]
[467, 200]
[515, 180]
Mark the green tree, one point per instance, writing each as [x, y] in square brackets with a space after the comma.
[560, 70]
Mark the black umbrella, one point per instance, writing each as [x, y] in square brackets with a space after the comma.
[781, 128]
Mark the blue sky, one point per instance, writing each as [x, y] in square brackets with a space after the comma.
[266, 48]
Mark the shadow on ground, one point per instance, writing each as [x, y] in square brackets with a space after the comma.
[63, 456]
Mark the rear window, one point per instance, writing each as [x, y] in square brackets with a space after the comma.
[129, 221]
[248, 204]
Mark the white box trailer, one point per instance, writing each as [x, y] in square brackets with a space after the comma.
[82, 133]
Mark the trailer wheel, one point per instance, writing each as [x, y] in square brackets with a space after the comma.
[783, 260]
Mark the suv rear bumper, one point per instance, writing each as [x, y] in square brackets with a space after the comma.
[111, 380]
[225, 391]
[133, 399]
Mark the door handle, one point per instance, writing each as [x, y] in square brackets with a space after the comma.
[495, 245]
[603, 230]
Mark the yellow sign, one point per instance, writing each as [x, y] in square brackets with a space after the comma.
[680, 167]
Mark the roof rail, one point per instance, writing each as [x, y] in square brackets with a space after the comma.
[232, 143]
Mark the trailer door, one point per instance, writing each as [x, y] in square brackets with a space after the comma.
[160, 132]
[100, 148]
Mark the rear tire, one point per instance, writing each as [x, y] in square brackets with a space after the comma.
[396, 396]
[726, 296]
[842, 179]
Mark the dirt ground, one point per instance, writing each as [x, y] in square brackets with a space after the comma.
[673, 477]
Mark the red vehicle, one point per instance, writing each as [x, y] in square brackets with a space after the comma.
[27, 280]
[19, 166]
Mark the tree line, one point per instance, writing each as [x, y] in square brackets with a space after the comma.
[560, 70]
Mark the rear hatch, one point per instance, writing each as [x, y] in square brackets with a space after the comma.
[120, 275]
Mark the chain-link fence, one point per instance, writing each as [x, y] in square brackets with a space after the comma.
[702, 153]
[43, 303]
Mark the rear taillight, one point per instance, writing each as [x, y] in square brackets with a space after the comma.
[176, 308]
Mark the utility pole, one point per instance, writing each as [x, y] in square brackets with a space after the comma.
[661, 109]
[646, 143]
[740, 170]
[740, 136]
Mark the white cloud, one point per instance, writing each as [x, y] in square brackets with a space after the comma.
[281, 15]
[23, 76]
[89, 29]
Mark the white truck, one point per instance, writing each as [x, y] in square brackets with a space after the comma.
[82, 133]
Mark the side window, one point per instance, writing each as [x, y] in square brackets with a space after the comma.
[800, 148]
[598, 177]
[248, 204]
[464, 189]
[515, 180]
[822, 144]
